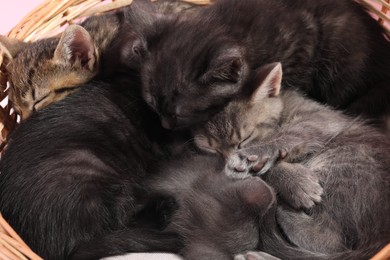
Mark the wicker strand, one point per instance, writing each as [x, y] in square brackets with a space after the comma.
[12, 245]
[384, 10]
[47, 20]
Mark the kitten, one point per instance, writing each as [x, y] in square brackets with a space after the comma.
[288, 137]
[217, 217]
[193, 67]
[47, 70]
[73, 172]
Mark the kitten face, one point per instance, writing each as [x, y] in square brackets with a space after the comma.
[247, 120]
[194, 86]
[46, 71]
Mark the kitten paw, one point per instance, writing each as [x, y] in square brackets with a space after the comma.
[251, 255]
[302, 188]
[306, 196]
[254, 160]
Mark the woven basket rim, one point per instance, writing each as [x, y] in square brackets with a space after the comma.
[42, 22]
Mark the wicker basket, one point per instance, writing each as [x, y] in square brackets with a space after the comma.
[52, 16]
[49, 19]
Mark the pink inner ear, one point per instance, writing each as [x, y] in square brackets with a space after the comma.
[257, 194]
[80, 48]
[81, 53]
[275, 85]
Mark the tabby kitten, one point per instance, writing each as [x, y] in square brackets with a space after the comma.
[85, 160]
[286, 137]
[47, 70]
[193, 67]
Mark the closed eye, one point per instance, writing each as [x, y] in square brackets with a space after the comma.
[207, 149]
[202, 143]
[39, 101]
[246, 140]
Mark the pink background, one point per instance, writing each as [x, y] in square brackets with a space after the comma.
[12, 12]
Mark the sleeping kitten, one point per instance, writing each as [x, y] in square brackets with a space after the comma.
[47, 70]
[74, 172]
[288, 137]
[331, 50]
[217, 217]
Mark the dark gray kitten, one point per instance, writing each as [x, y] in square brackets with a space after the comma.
[331, 50]
[287, 137]
[73, 173]
[217, 217]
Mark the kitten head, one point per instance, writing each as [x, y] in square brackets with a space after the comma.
[44, 71]
[246, 120]
[189, 74]
[223, 220]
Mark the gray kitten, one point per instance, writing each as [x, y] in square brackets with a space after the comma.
[216, 216]
[288, 137]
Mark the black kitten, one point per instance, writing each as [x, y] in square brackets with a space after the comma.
[333, 50]
[73, 172]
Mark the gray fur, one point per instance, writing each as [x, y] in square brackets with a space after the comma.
[348, 158]
[216, 216]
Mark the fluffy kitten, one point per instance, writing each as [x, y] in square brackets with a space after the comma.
[287, 137]
[331, 50]
[47, 70]
[217, 217]
[73, 172]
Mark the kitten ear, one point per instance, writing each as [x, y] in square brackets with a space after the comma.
[133, 50]
[76, 48]
[256, 194]
[268, 81]
[9, 47]
[5, 58]
[141, 14]
[227, 67]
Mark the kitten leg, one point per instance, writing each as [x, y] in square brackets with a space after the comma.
[259, 158]
[295, 184]
[251, 255]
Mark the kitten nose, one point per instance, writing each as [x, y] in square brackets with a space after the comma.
[165, 123]
[168, 122]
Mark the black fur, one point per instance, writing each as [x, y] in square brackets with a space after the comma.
[333, 50]
[73, 173]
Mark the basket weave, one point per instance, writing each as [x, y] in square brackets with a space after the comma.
[52, 16]
[47, 20]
